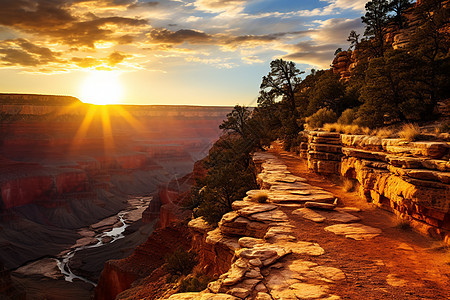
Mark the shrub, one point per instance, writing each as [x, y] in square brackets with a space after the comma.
[260, 197]
[404, 225]
[180, 262]
[320, 117]
[194, 283]
[409, 132]
[347, 117]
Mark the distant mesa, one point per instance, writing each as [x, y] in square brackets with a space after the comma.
[36, 99]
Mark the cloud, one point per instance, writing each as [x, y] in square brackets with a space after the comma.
[21, 52]
[143, 5]
[53, 19]
[252, 60]
[86, 62]
[307, 52]
[108, 62]
[87, 33]
[347, 4]
[165, 36]
[31, 15]
[220, 5]
[323, 41]
[336, 30]
[116, 58]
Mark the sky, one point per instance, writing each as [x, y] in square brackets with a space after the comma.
[183, 52]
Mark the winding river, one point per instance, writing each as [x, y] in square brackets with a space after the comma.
[115, 234]
[103, 238]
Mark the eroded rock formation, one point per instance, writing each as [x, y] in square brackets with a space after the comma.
[411, 179]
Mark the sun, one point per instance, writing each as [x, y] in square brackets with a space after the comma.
[102, 87]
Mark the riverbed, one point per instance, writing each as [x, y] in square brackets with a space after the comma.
[98, 242]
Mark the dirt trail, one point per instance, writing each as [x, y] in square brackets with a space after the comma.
[398, 264]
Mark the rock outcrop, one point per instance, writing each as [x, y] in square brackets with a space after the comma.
[342, 64]
[254, 250]
[411, 179]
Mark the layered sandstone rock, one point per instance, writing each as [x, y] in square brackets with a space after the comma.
[412, 179]
[341, 64]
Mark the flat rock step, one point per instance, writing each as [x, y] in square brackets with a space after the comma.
[315, 205]
[354, 231]
[319, 216]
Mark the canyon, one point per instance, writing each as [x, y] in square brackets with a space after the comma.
[67, 169]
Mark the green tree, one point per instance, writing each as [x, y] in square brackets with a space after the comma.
[353, 38]
[398, 7]
[376, 18]
[230, 175]
[282, 80]
[237, 121]
[327, 91]
[395, 89]
[431, 44]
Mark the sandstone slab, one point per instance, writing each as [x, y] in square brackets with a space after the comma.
[269, 216]
[309, 214]
[338, 216]
[318, 205]
[354, 231]
[257, 208]
[201, 296]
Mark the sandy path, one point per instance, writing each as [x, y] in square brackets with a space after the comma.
[398, 264]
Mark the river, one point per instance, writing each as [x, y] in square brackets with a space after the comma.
[115, 234]
[100, 234]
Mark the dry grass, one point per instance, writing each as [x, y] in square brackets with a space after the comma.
[348, 185]
[404, 224]
[383, 132]
[260, 197]
[347, 129]
[409, 132]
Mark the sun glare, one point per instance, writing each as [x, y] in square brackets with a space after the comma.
[102, 87]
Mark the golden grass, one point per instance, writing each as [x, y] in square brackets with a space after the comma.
[409, 132]
[383, 132]
[347, 129]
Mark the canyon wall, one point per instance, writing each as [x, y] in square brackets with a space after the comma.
[411, 179]
[65, 164]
